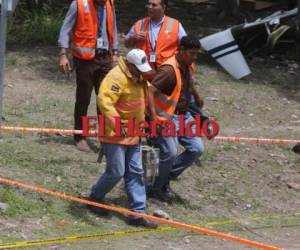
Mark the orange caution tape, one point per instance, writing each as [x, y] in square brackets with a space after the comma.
[42, 130]
[218, 138]
[149, 217]
[256, 140]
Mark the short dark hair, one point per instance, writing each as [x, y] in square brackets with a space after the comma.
[190, 42]
[164, 2]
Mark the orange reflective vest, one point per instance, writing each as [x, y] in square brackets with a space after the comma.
[165, 105]
[167, 41]
[84, 37]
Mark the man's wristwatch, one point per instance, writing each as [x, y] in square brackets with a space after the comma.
[62, 54]
[115, 52]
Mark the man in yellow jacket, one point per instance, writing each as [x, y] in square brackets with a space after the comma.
[122, 96]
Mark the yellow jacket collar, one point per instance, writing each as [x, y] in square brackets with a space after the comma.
[126, 71]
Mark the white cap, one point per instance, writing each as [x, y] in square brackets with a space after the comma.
[139, 59]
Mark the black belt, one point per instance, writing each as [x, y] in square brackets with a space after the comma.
[102, 52]
[180, 112]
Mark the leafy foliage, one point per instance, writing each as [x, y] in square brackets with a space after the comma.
[37, 21]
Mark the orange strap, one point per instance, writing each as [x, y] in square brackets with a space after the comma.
[149, 217]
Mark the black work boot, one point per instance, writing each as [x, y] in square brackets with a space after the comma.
[168, 191]
[162, 195]
[296, 149]
[142, 222]
[98, 210]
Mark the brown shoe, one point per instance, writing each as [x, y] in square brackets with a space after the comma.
[83, 146]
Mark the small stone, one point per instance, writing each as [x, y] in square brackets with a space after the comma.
[213, 197]
[85, 194]
[24, 236]
[280, 163]
[251, 115]
[58, 178]
[295, 117]
[293, 185]
[55, 247]
[161, 214]
[248, 206]
[214, 99]
[187, 241]
[224, 175]
[286, 100]
[10, 225]
[268, 109]
[4, 206]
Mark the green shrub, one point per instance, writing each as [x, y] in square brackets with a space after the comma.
[36, 25]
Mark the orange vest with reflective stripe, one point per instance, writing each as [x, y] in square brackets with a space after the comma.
[167, 41]
[165, 105]
[84, 37]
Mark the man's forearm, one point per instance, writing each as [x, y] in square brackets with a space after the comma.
[198, 100]
[129, 42]
[151, 104]
[63, 51]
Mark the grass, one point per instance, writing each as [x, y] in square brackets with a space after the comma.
[220, 189]
[18, 205]
[10, 61]
[227, 180]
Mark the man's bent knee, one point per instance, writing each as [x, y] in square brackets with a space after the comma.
[197, 149]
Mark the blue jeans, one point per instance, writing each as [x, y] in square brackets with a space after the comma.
[171, 165]
[123, 161]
